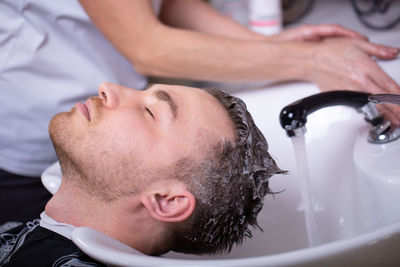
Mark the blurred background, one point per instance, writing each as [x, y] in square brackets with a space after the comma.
[377, 19]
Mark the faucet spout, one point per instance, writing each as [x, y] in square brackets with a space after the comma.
[293, 117]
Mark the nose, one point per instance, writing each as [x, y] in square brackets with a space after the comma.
[114, 95]
[110, 93]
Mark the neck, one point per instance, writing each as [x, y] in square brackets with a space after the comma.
[124, 219]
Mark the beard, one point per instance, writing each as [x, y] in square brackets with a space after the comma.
[59, 134]
[97, 169]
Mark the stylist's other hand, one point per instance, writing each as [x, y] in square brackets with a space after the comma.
[347, 63]
[316, 33]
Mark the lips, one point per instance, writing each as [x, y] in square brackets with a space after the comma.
[83, 108]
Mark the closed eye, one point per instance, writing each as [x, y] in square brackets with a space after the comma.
[149, 111]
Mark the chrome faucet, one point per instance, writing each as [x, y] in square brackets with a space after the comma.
[293, 117]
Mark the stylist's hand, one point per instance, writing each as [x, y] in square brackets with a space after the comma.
[347, 63]
[309, 33]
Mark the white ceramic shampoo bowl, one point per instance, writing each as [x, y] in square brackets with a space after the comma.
[358, 215]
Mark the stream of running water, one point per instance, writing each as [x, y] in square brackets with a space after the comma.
[305, 189]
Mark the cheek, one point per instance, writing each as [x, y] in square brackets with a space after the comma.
[123, 134]
[171, 149]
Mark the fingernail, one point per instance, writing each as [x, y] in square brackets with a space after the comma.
[390, 52]
[394, 50]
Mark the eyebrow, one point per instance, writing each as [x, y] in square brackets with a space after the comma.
[164, 96]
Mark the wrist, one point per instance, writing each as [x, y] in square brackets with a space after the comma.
[306, 60]
[298, 59]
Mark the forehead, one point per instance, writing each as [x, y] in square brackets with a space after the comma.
[198, 109]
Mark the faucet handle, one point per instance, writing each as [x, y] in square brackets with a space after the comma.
[384, 98]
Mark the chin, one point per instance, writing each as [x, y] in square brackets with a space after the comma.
[58, 125]
[61, 133]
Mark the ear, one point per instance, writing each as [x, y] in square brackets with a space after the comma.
[173, 204]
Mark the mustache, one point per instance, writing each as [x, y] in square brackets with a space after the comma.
[97, 107]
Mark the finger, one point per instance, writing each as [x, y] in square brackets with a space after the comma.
[379, 51]
[384, 81]
[396, 111]
[331, 30]
[390, 112]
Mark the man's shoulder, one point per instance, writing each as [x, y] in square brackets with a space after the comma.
[32, 245]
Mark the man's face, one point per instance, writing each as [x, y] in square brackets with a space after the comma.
[114, 142]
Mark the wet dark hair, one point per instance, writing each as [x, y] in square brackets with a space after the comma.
[229, 186]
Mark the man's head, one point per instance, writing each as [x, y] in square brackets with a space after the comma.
[194, 158]
[123, 137]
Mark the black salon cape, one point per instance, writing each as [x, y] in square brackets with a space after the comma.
[32, 245]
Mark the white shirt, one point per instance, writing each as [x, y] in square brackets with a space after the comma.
[51, 56]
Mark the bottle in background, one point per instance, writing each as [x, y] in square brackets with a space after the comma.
[265, 16]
